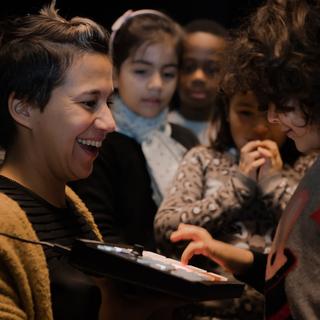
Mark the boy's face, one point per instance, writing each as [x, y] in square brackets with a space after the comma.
[198, 75]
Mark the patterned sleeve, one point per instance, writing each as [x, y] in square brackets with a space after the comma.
[277, 190]
[206, 191]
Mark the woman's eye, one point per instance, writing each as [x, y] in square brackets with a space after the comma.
[92, 104]
[109, 101]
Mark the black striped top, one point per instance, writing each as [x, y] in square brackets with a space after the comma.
[74, 296]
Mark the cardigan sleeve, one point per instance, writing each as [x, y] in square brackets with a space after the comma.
[24, 278]
[9, 302]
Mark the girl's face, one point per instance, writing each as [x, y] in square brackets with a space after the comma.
[67, 134]
[247, 123]
[147, 80]
[293, 124]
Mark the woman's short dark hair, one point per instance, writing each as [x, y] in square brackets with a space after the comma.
[143, 29]
[277, 55]
[35, 53]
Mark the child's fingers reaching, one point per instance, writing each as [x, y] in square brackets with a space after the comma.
[189, 232]
[193, 248]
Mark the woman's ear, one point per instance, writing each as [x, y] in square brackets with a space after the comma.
[19, 111]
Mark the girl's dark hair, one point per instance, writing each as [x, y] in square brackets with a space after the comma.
[143, 29]
[35, 53]
[276, 54]
[224, 141]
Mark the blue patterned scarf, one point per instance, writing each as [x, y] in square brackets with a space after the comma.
[163, 154]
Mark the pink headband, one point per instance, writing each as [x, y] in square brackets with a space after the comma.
[127, 16]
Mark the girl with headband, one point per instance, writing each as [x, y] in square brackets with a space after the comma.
[138, 161]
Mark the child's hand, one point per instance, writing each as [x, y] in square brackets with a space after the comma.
[273, 162]
[231, 258]
[260, 159]
[200, 241]
[251, 159]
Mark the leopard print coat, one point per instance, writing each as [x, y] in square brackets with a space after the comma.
[209, 191]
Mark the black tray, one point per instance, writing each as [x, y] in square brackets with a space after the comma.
[150, 270]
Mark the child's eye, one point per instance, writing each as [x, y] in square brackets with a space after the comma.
[245, 113]
[286, 109]
[210, 69]
[188, 67]
[169, 75]
[140, 71]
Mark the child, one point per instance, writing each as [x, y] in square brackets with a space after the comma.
[272, 53]
[136, 163]
[236, 188]
[203, 45]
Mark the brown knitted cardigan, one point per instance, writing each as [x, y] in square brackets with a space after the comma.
[24, 276]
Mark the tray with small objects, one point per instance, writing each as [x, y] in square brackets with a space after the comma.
[151, 270]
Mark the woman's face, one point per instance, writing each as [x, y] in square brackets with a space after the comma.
[67, 134]
[247, 123]
[293, 124]
[147, 80]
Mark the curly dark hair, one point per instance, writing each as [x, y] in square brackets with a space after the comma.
[276, 54]
[35, 54]
[223, 140]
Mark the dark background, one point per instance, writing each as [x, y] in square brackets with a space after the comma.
[229, 13]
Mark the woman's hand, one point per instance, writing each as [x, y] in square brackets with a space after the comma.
[231, 258]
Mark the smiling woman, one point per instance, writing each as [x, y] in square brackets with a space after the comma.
[56, 79]
[78, 108]
[56, 83]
